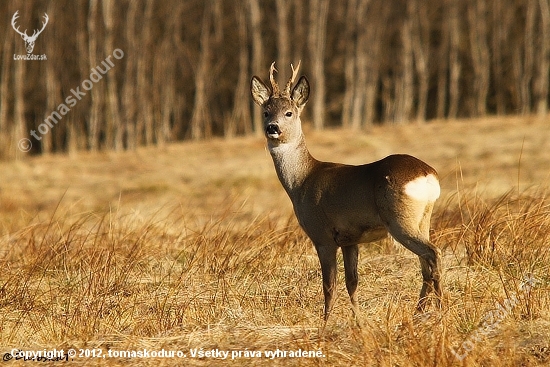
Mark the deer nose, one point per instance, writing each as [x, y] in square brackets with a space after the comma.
[272, 130]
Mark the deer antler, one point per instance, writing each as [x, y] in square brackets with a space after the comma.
[13, 19]
[274, 86]
[291, 80]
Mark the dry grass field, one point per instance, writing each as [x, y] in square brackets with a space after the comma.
[194, 248]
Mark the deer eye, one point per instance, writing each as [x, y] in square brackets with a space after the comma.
[288, 114]
[266, 114]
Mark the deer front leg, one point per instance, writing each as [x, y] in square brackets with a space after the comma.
[351, 254]
[327, 258]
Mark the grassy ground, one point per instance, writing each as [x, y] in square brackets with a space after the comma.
[194, 247]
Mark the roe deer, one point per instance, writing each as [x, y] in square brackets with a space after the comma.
[341, 205]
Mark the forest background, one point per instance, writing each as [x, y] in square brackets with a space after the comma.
[186, 65]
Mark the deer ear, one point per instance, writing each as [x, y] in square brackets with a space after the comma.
[300, 93]
[260, 93]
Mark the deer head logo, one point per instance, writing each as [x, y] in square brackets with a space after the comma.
[29, 40]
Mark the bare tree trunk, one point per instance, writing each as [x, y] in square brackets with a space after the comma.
[77, 137]
[388, 98]
[218, 98]
[364, 61]
[357, 64]
[283, 39]
[350, 61]
[179, 130]
[405, 87]
[201, 121]
[239, 121]
[5, 82]
[420, 33]
[164, 90]
[317, 42]
[52, 101]
[53, 97]
[454, 58]
[167, 105]
[167, 80]
[129, 94]
[498, 40]
[19, 108]
[479, 50]
[443, 64]
[373, 76]
[114, 125]
[528, 57]
[71, 140]
[257, 55]
[145, 117]
[517, 72]
[97, 92]
[299, 31]
[541, 85]
[372, 44]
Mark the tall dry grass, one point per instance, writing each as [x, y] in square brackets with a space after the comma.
[123, 282]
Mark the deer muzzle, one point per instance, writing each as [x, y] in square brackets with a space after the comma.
[272, 131]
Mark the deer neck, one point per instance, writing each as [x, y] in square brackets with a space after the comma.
[293, 163]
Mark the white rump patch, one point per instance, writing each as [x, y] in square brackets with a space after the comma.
[424, 188]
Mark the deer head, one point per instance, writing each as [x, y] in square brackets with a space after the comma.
[29, 40]
[281, 109]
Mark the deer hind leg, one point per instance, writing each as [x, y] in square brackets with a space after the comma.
[430, 262]
[430, 273]
[327, 258]
[414, 235]
[351, 255]
[429, 284]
